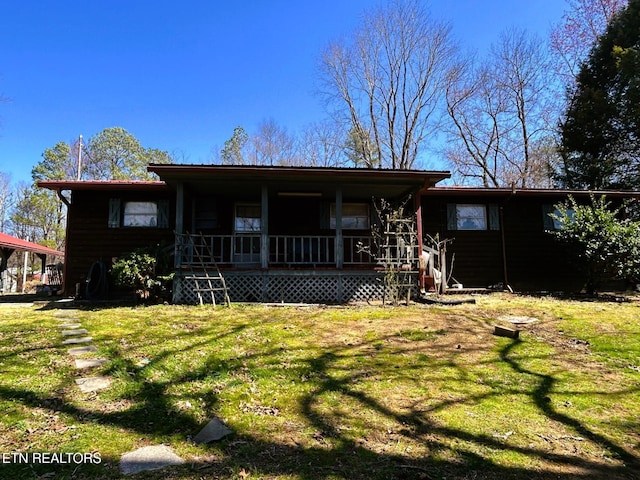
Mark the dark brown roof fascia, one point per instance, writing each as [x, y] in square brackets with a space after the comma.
[252, 170]
[526, 192]
[59, 185]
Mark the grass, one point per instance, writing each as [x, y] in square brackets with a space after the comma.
[333, 392]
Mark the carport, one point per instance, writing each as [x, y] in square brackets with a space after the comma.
[9, 244]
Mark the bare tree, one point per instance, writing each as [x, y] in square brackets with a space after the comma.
[475, 108]
[7, 199]
[321, 144]
[272, 145]
[387, 82]
[578, 32]
[523, 75]
[500, 111]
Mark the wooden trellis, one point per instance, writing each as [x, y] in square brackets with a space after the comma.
[399, 255]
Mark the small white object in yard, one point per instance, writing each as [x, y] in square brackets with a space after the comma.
[503, 437]
[143, 363]
[213, 431]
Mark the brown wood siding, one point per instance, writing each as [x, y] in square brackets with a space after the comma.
[535, 261]
[89, 237]
[477, 257]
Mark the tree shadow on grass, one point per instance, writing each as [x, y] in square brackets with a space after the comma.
[330, 449]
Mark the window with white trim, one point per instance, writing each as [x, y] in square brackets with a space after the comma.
[355, 216]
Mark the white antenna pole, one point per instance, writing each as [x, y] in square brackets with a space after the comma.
[79, 157]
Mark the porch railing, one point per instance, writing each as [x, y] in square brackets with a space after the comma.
[243, 250]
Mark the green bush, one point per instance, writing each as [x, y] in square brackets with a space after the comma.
[605, 245]
[145, 271]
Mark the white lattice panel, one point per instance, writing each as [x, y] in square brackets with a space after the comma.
[310, 287]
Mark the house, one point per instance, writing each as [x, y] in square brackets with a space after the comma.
[301, 234]
[502, 235]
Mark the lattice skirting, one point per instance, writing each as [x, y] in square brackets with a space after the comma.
[293, 287]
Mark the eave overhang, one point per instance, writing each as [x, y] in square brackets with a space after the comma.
[248, 180]
[14, 243]
[72, 185]
[525, 192]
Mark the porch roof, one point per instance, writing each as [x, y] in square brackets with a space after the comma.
[320, 181]
[14, 243]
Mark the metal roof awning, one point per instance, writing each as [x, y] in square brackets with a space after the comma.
[14, 243]
[285, 180]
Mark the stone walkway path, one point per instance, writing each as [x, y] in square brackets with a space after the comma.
[73, 334]
[81, 345]
[151, 457]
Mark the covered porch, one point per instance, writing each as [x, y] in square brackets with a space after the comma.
[284, 234]
[49, 274]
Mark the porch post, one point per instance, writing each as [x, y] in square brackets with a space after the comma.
[339, 239]
[264, 228]
[418, 212]
[177, 261]
[43, 264]
[180, 208]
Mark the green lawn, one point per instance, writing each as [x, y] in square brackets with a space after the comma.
[332, 393]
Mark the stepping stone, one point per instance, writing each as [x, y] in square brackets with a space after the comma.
[70, 341]
[214, 430]
[70, 325]
[82, 350]
[66, 313]
[148, 458]
[77, 331]
[82, 363]
[69, 319]
[517, 319]
[93, 384]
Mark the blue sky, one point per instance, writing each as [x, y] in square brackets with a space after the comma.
[180, 76]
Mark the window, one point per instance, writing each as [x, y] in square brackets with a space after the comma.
[355, 216]
[150, 214]
[550, 223]
[464, 216]
[205, 213]
[471, 217]
[140, 214]
[248, 218]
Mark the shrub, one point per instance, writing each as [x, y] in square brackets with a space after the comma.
[144, 270]
[604, 245]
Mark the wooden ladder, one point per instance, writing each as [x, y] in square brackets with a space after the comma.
[204, 280]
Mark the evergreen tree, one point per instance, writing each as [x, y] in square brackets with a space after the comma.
[600, 134]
